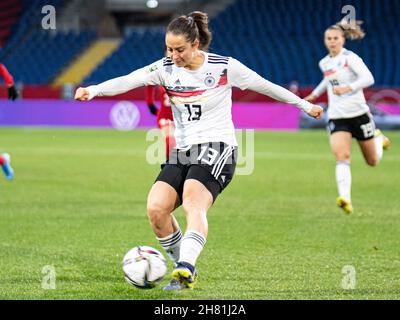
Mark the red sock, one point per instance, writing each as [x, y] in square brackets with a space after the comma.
[2, 161]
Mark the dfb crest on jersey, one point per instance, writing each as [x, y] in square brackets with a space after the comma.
[168, 69]
[209, 81]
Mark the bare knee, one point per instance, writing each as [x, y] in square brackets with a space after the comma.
[372, 161]
[342, 155]
[158, 215]
[188, 204]
[194, 205]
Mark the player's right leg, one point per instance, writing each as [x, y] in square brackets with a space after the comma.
[161, 202]
[5, 163]
[340, 142]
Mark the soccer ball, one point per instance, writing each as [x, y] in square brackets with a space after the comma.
[144, 267]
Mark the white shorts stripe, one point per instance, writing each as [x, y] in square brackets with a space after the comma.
[223, 163]
[219, 160]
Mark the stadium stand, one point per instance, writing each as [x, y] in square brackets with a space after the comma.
[268, 36]
[137, 50]
[262, 35]
[35, 55]
[43, 55]
[10, 11]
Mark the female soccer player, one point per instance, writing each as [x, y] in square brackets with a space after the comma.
[345, 77]
[199, 85]
[12, 95]
[165, 120]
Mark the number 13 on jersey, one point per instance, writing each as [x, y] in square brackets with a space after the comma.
[194, 111]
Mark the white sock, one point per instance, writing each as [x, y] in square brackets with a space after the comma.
[343, 179]
[172, 244]
[191, 246]
[379, 146]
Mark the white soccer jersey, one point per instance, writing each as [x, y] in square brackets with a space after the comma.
[201, 100]
[346, 68]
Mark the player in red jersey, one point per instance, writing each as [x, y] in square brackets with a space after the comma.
[12, 95]
[165, 120]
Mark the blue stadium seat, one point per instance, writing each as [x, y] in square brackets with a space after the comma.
[43, 55]
[34, 55]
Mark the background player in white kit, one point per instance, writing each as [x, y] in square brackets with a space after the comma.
[199, 85]
[345, 77]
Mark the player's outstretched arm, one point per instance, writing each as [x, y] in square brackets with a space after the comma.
[82, 94]
[145, 76]
[244, 78]
[111, 87]
[281, 94]
[316, 111]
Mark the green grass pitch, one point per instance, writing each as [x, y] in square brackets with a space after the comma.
[78, 204]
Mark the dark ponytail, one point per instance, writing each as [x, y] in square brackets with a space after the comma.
[193, 26]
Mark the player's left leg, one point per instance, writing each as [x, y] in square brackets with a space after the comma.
[5, 163]
[161, 202]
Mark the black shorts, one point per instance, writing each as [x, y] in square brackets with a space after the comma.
[213, 164]
[361, 127]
